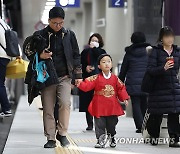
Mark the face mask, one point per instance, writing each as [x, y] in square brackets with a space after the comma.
[95, 44]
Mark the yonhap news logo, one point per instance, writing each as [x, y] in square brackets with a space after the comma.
[133, 140]
[105, 138]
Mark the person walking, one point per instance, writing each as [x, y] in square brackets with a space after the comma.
[4, 60]
[62, 49]
[89, 58]
[132, 72]
[164, 98]
[105, 107]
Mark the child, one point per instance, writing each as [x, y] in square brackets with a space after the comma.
[104, 105]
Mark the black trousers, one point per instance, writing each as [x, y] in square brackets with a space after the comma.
[154, 122]
[89, 119]
[139, 106]
[105, 124]
[5, 106]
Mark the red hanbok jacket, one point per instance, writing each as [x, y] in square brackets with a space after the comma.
[106, 94]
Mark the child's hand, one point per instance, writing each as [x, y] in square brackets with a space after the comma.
[126, 102]
[78, 82]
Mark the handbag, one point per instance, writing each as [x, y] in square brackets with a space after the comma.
[17, 68]
[148, 83]
[41, 70]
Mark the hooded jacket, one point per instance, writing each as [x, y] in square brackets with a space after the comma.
[133, 68]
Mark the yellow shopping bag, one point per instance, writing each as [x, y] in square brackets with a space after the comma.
[17, 68]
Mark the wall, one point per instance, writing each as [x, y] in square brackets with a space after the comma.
[31, 14]
[119, 27]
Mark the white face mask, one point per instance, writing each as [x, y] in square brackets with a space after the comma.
[95, 44]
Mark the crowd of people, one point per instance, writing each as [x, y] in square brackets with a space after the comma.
[99, 89]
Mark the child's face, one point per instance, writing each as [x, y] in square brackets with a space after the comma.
[105, 64]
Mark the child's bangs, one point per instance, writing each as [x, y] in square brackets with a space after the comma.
[168, 33]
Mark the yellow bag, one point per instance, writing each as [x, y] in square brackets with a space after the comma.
[17, 68]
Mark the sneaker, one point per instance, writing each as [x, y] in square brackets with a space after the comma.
[2, 114]
[50, 144]
[63, 140]
[8, 113]
[99, 145]
[112, 143]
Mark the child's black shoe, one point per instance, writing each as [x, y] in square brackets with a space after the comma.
[99, 145]
[112, 142]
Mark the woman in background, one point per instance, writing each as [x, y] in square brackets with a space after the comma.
[89, 57]
[132, 72]
[163, 66]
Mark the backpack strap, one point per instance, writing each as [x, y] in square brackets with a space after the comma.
[5, 30]
[2, 47]
[3, 26]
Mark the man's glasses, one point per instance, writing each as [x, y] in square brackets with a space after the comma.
[56, 23]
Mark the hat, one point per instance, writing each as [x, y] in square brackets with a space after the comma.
[101, 57]
[56, 12]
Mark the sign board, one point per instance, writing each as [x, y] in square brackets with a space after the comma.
[116, 3]
[68, 3]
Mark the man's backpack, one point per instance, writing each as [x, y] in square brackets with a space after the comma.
[12, 44]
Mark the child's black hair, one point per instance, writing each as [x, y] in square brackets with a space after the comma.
[165, 31]
[101, 57]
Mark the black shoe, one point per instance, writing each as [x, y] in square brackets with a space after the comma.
[138, 131]
[50, 144]
[8, 113]
[99, 145]
[112, 142]
[174, 145]
[89, 128]
[154, 141]
[63, 140]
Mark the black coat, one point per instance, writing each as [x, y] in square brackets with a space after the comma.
[86, 97]
[35, 44]
[133, 68]
[165, 97]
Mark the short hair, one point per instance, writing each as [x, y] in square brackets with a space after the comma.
[56, 12]
[99, 37]
[138, 37]
[101, 57]
[165, 31]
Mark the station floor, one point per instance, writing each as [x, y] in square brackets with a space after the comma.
[26, 135]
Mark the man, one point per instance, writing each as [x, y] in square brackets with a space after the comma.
[64, 51]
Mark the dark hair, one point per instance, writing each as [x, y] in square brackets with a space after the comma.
[56, 12]
[165, 31]
[99, 37]
[101, 57]
[138, 37]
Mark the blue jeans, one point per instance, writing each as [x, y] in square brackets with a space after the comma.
[5, 106]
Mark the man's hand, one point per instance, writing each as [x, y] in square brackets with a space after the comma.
[126, 102]
[78, 81]
[45, 55]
